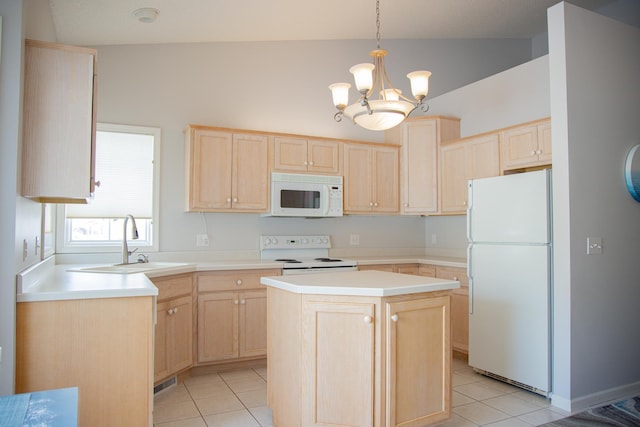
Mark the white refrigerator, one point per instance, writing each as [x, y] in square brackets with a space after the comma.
[509, 267]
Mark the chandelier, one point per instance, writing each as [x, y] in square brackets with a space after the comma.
[390, 107]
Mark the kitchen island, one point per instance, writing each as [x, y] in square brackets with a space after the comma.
[361, 348]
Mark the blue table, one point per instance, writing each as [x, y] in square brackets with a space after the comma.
[50, 408]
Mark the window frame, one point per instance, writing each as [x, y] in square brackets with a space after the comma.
[62, 241]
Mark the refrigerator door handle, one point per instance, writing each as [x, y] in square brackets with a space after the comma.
[469, 207]
[470, 275]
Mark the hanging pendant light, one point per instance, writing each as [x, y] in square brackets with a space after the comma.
[390, 107]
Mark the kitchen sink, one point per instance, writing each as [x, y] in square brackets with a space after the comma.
[131, 268]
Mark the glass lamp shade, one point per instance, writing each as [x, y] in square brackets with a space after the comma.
[363, 75]
[384, 114]
[391, 94]
[340, 94]
[419, 83]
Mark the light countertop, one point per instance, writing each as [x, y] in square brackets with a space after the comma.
[359, 283]
[49, 281]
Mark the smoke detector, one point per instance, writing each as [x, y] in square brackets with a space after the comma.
[146, 15]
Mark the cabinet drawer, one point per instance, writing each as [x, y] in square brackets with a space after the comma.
[453, 273]
[232, 280]
[407, 269]
[173, 286]
[427, 270]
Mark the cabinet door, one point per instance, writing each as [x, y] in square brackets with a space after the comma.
[180, 344]
[419, 167]
[324, 157]
[337, 355]
[209, 158]
[290, 154]
[58, 123]
[250, 188]
[385, 180]
[520, 147]
[460, 320]
[483, 157]
[418, 362]
[453, 198]
[217, 326]
[357, 180]
[253, 323]
[407, 269]
[161, 368]
[459, 307]
[544, 142]
[427, 270]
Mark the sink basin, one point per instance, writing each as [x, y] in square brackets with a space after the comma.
[131, 268]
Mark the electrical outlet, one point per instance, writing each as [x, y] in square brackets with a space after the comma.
[25, 249]
[354, 239]
[202, 240]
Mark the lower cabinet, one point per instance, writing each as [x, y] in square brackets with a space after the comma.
[459, 307]
[173, 350]
[232, 315]
[363, 361]
[103, 346]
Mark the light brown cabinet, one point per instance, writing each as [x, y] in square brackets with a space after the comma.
[469, 158]
[527, 145]
[392, 268]
[459, 307]
[103, 346]
[301, 155]
[58, 158]
[173, 347]
[402, 375]
[232, 314]
[419, 139]
[371, 179]
[225, 171]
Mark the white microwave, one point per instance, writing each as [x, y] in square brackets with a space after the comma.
[306, 195]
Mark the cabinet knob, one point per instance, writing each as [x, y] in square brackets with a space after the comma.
[310, 163]
[539, 151]
[242, 301]
[394, 317]
[235, 302]
[97, 183]
[239, 282]
[306, 163]
[455, 278]
[235, 200]
[368, 319]
[175, 310]
[406, 205]
[170, 311]
[228, 199]
[370, 203]
[533, 152]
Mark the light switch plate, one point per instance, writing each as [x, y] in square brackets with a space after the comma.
[594, 245]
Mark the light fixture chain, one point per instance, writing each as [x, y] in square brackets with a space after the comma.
[378, 22]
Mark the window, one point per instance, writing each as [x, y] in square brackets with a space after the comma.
[127, 167]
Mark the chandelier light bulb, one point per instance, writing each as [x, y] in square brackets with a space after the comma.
[419, 83]
[340, 94]
[363, 75]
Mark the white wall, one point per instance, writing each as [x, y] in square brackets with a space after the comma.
[280, 86]
[10, 78]
[595, 87]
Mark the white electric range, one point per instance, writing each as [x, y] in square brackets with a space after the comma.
[303, 254]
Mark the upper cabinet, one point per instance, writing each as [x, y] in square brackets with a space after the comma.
[469, 158]
[226, 171]
[59, 114]
[302, 155]
[371, 179]
[420, 139]
[527, 145]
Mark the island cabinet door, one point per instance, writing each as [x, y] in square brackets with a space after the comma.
[418, 362]
[337, 364]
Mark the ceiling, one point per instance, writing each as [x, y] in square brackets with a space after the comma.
[111, 22]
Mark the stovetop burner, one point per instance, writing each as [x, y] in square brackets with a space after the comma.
[302, 253]
[287, 260]
[327, 259]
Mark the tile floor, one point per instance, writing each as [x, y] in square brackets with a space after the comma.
[238, 398]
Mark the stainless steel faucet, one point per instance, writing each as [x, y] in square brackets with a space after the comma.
[125, 247]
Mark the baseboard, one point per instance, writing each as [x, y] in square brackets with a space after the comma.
[600, 398]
